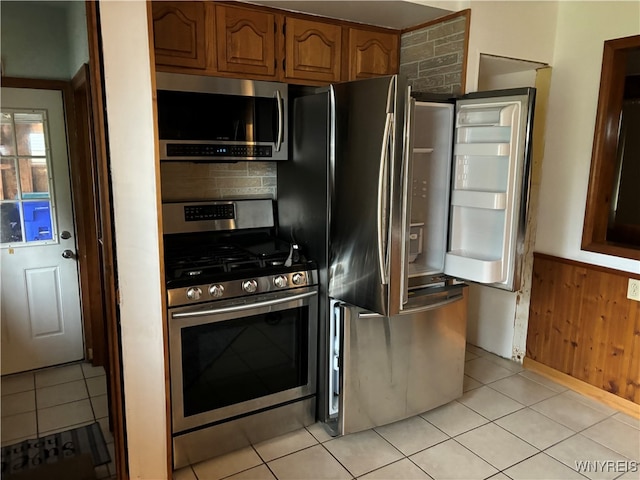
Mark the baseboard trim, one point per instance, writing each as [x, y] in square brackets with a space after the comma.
[609, 399]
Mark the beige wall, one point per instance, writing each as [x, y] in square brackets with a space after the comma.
[575, 83]
[131, 136]
[517, 29]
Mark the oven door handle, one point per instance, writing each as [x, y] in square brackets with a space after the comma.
[239, 308]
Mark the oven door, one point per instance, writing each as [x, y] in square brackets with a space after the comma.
[235, 357]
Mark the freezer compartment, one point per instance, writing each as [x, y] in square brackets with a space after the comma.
[392, 368]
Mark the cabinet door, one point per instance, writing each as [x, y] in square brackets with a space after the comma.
[313, 50]
[246, 41]
[179, 34]
[372, 53]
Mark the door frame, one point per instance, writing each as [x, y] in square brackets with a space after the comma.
[108, 262]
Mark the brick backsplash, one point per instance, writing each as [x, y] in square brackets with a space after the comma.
[184, 181]
[432, 57]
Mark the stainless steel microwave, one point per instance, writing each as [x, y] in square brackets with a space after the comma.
[220, 119]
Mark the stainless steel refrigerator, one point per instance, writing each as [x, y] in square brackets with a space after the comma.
[401, 198]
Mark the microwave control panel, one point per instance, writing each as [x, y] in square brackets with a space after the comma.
[218, 150]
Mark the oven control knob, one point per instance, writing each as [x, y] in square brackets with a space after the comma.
[216, 290]
[298, 279]
[194, 293]
[249, 286]
[280, 281]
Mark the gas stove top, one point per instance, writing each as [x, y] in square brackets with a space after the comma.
[218, 265]
[229, 271]
[239, 257]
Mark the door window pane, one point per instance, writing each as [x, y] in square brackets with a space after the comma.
[34, 178]
[25, 184]
[10, 226]
[30, 134]
[37, 221]
[7, 144]
[8, 179]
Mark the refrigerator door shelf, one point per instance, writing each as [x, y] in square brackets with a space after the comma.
[483, 149]
[475, 199]
[474, 268]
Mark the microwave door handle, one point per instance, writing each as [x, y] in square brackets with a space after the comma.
[278, 142]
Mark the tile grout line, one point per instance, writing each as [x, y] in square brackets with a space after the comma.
[86, 386]
[334, 457]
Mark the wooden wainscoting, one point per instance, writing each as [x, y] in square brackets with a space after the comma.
[582, 324]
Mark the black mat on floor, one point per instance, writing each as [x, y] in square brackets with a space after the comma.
[38, 452]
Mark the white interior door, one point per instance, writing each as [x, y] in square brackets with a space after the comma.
[40, 301]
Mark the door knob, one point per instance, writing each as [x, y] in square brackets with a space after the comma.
[68, 254]
[65, 235]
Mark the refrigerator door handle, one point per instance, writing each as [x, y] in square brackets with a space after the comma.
[425, 308]
[383, 185]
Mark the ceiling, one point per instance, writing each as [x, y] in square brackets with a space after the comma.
[395, 14]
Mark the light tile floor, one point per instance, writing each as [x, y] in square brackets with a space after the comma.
[38, 403]
[509, 424]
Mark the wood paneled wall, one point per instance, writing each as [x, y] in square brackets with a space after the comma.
[582, 324]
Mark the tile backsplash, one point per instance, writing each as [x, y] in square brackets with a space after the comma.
[432, 57]
[184, 181]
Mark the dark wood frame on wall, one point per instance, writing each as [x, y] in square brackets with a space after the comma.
[605, 146]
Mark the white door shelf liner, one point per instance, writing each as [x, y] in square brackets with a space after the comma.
[485, 270]
[476, 199]
[482, 149]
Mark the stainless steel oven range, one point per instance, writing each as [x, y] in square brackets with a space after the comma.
[242, 313]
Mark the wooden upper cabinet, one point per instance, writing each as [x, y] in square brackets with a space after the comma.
[313, 50]
[246, 41]
[179, 34]
[372, 53]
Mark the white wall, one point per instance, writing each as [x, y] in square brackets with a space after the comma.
[575, 83]
[516, 29]
[525, 31]
[128, 88]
